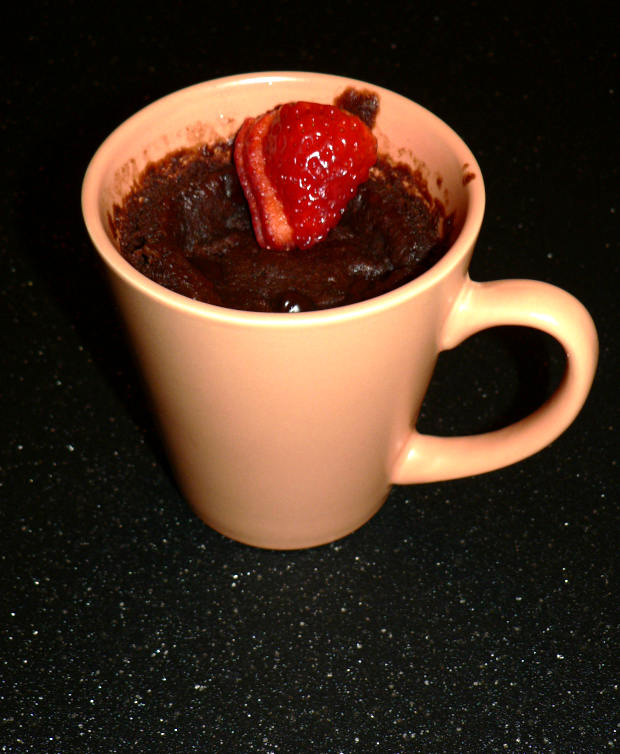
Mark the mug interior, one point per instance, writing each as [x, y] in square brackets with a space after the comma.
[214, 111]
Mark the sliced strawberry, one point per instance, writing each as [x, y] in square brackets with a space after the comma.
[299, 166]
[271, 226]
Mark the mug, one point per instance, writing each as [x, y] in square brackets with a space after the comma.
[288, 430]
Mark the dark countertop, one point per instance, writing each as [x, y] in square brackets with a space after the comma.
[471, 616]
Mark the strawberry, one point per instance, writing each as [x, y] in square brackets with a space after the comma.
[299, 165]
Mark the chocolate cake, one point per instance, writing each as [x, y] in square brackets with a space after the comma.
[186, 225]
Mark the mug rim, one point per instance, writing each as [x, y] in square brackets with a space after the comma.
[92, 185]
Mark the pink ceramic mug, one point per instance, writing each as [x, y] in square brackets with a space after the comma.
[287, 430]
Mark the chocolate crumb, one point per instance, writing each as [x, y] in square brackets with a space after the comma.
[364, 104]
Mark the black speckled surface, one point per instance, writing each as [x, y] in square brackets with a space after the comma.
[473, 616]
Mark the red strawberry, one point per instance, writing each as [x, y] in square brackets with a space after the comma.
[299, 165]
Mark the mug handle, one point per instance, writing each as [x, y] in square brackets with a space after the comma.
[529, 303]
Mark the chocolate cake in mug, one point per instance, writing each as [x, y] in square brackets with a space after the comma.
[287, 428]
[186, 225]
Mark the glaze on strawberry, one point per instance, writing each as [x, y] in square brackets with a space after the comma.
[299, 166]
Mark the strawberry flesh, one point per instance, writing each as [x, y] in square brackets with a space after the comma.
[271, 227]
[299, 166]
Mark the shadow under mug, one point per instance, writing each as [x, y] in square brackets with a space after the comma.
[288, 430]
